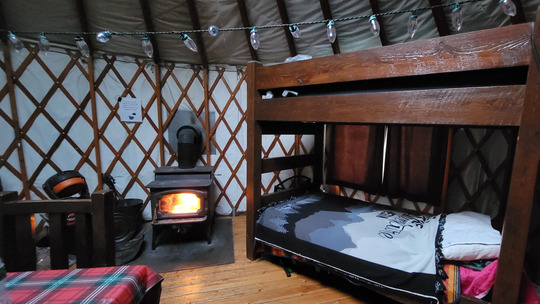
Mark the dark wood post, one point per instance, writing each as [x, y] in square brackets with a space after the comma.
[253, 158]
[103, 228]
[524, 173]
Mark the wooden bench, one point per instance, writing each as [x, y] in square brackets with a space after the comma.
[94, 231]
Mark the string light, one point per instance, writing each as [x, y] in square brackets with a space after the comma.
[412, 25]
[43, 44]
[331, 31]
[82, 46]
[147, 46]
[374, 25]
[189, 42]
[295, 31]
[104, 36]
[254, 38]
[15, 42]
[507, 6]
[457, 18]
[213, 30]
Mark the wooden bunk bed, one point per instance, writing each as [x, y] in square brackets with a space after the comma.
[328, 96]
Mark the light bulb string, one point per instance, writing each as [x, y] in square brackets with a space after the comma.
[244, 28]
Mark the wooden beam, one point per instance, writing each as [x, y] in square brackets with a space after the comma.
[207, 116]
[83, 21]
[453, 106]
[327, 13]
[3, 25]
[287, 162]
[193, 13]
[95, 126]
[245, 22]
[150, 28]
[285, 20]
[394, 60]
[522, 186]
[253, 161]
[382, 32]
[440, 18]
[159, 100]
[11, 80]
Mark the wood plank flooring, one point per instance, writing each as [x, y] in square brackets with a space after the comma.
[259, 281]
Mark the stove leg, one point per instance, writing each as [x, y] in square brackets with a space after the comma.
[155, 234]
[209, 230]
[209, 235]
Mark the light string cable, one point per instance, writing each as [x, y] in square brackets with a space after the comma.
[244, 28]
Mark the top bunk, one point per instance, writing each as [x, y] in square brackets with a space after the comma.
[475, 78]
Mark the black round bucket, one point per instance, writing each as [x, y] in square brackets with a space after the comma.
[127, 218]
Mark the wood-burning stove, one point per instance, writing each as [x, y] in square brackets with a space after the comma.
[181, 196]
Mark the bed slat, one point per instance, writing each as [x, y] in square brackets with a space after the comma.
[284, 195]
[287, 162]
[487, 49]
[289, 128]
[497, 105]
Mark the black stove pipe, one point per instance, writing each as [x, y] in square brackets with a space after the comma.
[189, 145]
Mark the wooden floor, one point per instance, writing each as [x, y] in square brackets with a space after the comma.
[259, 281]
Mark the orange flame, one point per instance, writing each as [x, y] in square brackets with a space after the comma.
[180, 203]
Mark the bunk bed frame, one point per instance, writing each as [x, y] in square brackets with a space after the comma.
[327, 95]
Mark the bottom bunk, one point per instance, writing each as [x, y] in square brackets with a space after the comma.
[412, 255]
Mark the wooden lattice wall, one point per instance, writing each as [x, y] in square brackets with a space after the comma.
[64, 116]
[60, 112]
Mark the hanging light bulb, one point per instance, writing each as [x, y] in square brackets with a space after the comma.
[82, 46]
[189, 42]
[508, 7]
[213, 30]
[147, 46]
[295, 30]
[331, 31]
[457, 18]
[412, 25]
[103, 36]
[374, 25]
[15, 42]
[254, 39]
[44, 44]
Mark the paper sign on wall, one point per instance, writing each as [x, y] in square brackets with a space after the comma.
[129, 109]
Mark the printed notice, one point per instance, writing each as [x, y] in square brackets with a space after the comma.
[129, 109]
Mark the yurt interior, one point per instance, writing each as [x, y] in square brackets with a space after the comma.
[287, 151]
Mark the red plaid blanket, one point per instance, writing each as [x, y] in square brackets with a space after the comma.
[120, 284]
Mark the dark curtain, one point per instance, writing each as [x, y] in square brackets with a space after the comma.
[355, 157]
[414, 166]
[415, 163]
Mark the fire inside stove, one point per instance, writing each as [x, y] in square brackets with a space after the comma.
[180, 203]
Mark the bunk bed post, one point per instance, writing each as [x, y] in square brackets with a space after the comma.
[520, 198]
[253, 158]
[318, 146]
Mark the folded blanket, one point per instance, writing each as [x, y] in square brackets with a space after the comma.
[478, 283]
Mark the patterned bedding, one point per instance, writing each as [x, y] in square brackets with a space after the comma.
[364, 241]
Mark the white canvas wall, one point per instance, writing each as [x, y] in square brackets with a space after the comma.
[59, 82]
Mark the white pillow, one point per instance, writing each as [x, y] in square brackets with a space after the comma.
[468, 236]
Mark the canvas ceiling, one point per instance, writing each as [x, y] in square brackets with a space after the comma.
[29, 17]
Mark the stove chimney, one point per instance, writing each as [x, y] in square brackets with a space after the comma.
[189, 139]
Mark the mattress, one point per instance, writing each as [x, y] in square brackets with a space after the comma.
[365, 242]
